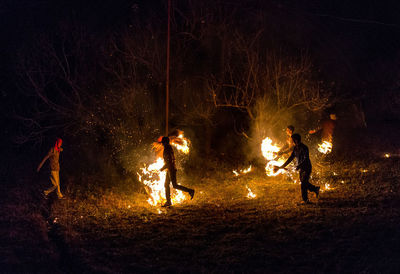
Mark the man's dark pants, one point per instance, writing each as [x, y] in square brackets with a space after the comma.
[171, 177]
[305, 184]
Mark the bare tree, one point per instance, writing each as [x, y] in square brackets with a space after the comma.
[265, 84]
[80, 85]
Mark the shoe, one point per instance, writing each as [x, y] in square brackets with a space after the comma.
[167, 204]
[61, 198]
[191, 193]
[304, 203]
[317, 192]
[44, 195]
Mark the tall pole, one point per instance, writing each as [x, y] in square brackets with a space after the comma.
[167, 80]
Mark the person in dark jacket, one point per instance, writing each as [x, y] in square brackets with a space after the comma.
[300, 153]
[169, 160]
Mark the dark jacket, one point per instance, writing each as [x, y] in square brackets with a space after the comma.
[169, 158]
[300, 153]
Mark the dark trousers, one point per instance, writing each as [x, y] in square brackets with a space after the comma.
[171, 177]
[305, 184]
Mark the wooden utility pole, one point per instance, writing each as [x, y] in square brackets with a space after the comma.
[167, 76]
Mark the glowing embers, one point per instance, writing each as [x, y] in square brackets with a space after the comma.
[325, 147]
[154, 179]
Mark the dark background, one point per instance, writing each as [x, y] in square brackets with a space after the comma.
[114, 47]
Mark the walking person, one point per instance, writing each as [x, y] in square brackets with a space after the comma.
[169, 160]
[53, 155]
[300, 153]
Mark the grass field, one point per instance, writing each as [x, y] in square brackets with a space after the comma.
[353, 227]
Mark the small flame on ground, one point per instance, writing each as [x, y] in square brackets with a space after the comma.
[250, 193]
[327, 187]
[364, 170]
[242, 171]
[325, 147]
[387, 155]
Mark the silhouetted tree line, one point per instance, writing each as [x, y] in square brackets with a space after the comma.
[98, 71]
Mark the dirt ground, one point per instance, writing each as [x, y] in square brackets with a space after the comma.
[353, 227]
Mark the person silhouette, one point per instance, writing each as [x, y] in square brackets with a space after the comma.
[169, 160]
[300, 153]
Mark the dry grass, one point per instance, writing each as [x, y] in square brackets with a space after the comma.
[352, 228]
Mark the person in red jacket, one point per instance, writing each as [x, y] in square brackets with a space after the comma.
[327, 128]
[169, 160]
[53, 155]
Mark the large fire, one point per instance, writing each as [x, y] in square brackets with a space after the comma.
[154, 179]
[325, 147]
[269, 151]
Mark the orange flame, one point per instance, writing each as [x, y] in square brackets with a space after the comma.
[250, 194]
[325, 147]
[242, 171]
[269, 151]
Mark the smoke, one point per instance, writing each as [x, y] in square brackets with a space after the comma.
[268, 122]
